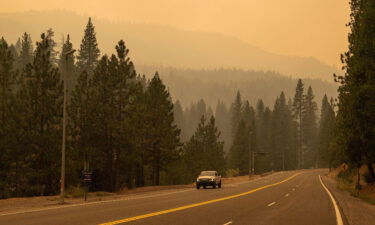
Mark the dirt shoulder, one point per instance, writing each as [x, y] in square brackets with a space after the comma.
[14, 205]
[355, 210]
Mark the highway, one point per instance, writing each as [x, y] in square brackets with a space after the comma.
[285, 198]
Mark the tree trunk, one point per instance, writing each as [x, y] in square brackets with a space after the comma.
[371, 172]
[156, 167]
[358, 185]
[139, 176]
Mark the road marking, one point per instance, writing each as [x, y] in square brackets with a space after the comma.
[337, 210]
[286, 195]
[92, 203]
[271, 204]
[228, 223]
[196, 204]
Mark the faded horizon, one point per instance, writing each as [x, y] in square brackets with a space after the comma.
[305, 28]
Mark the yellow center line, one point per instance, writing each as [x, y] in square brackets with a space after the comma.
[196, 204]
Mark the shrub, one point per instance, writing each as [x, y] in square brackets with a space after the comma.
[233, 172]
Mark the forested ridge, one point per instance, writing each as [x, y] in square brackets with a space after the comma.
[129, 131]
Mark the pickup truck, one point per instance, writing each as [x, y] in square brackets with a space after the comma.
[209, 178]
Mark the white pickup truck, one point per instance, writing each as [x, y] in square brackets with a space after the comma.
[209, 178]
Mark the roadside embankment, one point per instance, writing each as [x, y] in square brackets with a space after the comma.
[358, 208]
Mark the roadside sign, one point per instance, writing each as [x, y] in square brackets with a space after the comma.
[87, 176]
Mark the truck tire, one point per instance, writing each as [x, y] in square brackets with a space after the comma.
[198, 186]
[214, 186]
[219, 185]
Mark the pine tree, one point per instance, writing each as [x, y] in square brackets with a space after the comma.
[41, 110]
[223, 121]
[326, 133]
[26, 53]
[263, 162]
[52, 45]
[298, 104]
[282, 135]
[204, 150]
[89, 52]
[179, 118]
[248, 116]
[162, 131]
[236, 112]
[356, 108]
[8, 125]
[18, 46]
[239, 152]
[14, 52]
[309, 131]
[260, 127]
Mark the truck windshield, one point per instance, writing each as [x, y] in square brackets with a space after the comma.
[208, 173]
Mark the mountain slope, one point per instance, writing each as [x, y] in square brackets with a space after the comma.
[161, 45]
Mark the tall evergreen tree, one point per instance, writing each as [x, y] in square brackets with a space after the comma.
[26, 53]
[204, 150]
[283, 156]
[162, 131]
[223, 121]
[50, 34]
[298, 104]
[309, 131]
[236, 112]
[239, 152]
[326, 133]
[41, 100]
[356, 108]
[179, 118]
[89, 52]
[8, 126]
[18, 46]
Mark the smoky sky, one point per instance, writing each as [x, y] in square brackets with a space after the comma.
[291, 27]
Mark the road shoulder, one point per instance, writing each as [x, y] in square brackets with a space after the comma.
[356, 211]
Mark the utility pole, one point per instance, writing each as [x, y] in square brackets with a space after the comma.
[62, 187]
[252, 163]
[250, 154]
[283, 160]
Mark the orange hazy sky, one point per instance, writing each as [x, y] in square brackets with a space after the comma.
[289, 27]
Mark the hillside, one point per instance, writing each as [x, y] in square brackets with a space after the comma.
[188, 85]
[152, 44]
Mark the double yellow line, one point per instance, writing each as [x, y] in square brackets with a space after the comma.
[196, 204]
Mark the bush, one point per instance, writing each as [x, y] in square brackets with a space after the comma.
[367, 177]
[75, 191]
[346, 175]
[233, 172]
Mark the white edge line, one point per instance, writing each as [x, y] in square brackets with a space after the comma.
[91, 203]
[228, 223]
[271, 204]
[337, 210]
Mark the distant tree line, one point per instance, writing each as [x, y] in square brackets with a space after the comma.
[289, 136]
[125, 128]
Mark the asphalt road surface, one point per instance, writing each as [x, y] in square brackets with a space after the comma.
[286, 198]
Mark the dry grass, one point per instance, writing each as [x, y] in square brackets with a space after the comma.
[347, 182]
